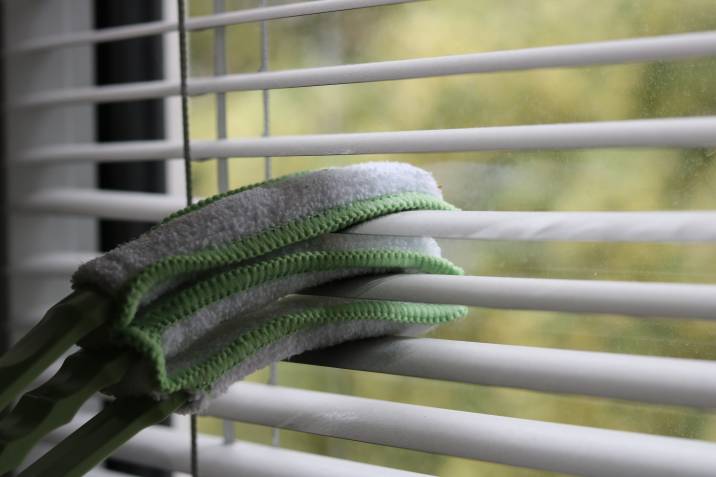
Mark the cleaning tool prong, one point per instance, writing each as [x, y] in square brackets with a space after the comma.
[102, 435]
[57, 401]
[61, 327]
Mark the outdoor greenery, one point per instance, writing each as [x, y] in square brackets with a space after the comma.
[639, 179]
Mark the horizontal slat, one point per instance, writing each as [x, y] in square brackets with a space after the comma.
[674, 132]
[277, 12]
[660, 48]
[575, 296]
[53, 264]
[661, 226]
[164, 448]
[197, 23]
[682, 382]
[99, 472]
[520, 442]
[105, 204]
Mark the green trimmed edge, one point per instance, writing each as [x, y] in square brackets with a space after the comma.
[201, 377]
[145, 335]
[218, 287]
[326, 221]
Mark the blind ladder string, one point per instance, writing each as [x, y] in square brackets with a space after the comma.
[220, 69]
[222, 163]
[183, 71]
[268, 173]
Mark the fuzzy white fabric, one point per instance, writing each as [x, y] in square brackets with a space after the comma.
[320, 337]
[214, 327]
[189, 341]
[297, 343]
[250, 212]
[192, 328]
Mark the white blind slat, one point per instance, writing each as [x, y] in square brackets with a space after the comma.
[106, 204]
[165, 448]
[661, 226]
[682, 382]
[653, 226]
[519, 442]
[54, 263]
[196, 23]
[694, 132]
[661, 48]
[670, 300]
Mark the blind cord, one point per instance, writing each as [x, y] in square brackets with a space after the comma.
[183, 71]
[268, 173]
[194, 448]
[265, 93]
[222, 164]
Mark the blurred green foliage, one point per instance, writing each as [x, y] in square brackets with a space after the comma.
[643, 179]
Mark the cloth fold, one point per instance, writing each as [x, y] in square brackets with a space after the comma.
[207, 296]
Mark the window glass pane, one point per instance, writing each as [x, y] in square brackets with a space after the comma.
[603, 179]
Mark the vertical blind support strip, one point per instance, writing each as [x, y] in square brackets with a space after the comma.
[268, 173]
[222, 163]
[186, 136]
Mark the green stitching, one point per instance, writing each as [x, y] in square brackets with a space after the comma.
[202, 376]
[327, 221]
[218, 287]
[144, 335]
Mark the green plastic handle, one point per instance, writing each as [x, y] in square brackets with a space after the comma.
[56, 402]
[100, 436]
[62, 326]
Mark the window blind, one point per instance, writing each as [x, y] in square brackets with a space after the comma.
[55, 203]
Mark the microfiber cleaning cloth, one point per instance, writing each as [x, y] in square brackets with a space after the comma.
[207, 296]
